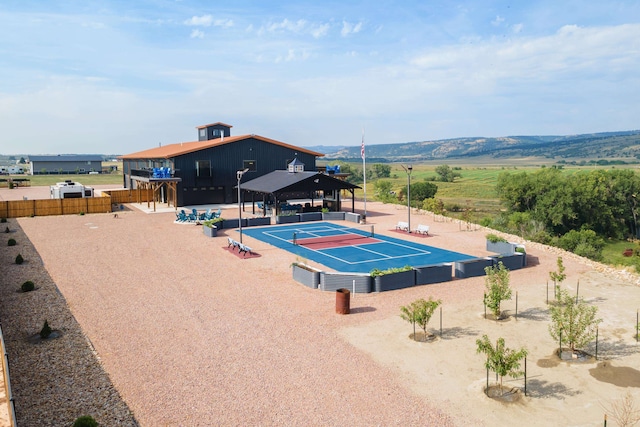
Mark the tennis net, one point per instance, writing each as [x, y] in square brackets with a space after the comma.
[321, 236]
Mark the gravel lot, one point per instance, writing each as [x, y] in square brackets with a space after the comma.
[189, 334]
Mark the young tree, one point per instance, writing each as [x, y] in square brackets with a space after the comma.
[557, 276]
[498, 289]
[409, 313]
[574, 320]
[500, 359]
[419, 313]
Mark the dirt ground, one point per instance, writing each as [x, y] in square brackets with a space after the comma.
[141, 272]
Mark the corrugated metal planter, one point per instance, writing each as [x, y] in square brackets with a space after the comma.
[511, 262]
[392, 281]
[261, 220]
[334, 281]
[353, 217]
[436, 273]
[310, 216]
[333, 216]
[232, 223]
[473, 267]
[306, 275]
[210, 231]
[502, 248]
[287, 219]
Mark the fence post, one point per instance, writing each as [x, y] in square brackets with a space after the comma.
[525, 376]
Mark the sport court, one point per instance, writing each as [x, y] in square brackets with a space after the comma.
[356, 249]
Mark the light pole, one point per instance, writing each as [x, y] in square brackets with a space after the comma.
[239, 176]
[408, 170]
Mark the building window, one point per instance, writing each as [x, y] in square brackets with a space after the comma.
[250, 164]
[203, 132]
[203, 168]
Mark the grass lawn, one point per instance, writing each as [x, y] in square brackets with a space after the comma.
[84, 179]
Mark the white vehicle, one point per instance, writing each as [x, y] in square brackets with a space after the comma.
[70, 190]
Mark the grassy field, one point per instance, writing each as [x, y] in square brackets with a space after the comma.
[84, 179]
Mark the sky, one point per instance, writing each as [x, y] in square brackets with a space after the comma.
[120, 76]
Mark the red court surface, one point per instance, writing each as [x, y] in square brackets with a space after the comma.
[336, 241]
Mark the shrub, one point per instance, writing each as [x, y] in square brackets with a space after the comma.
[493, 238]
[45, 331]
[11, 242]
[19, 259]
[85, 421]
[6, 230]
[3, 220]
[377, 272]
[28, 286]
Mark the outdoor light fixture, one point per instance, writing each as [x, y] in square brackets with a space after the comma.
[239, 176]
[408, 170]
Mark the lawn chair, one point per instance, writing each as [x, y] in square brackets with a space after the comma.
[182, 216]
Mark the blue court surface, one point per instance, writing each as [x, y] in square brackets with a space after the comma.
[348, 249]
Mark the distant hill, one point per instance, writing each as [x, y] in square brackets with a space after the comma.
[605, 145]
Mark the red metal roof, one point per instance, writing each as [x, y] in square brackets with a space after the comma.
[173, 150]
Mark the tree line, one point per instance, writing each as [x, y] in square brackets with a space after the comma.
[573, 211]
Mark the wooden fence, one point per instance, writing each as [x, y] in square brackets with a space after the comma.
[44, 207]
[129, 196]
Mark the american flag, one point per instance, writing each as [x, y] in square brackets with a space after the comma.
[362, 146]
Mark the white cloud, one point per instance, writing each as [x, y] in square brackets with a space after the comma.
[496, 22]
[196, 34]
[200, 21]
[320, 30]
[286, 25]
[349, 28]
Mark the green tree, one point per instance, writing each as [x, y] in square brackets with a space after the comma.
[574, 320]
[497, 288]
[558, 276]
[433, 205]
[446, 174]
[500, 359]
[421, 191]
[382, 188]
[419, 313]
[381, 171]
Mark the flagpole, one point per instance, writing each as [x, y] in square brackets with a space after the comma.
[364, 174]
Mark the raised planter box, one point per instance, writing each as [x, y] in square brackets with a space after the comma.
[335, 281]
[436, 273]
[333, 216]
[306, 275]
[287, 219]
[353, 217]
[502, 248]
[310, 216]
[393, 281]
[231, 223]
[210, 231]
[261, 220]
[472, 268]
[511, 262]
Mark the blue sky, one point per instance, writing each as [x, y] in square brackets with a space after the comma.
[119, 76]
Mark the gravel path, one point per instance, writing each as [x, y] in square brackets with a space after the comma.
[190, 334]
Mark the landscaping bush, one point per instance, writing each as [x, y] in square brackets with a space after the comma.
[6, 230]
[3, 220]
[85, 421]
[45, 331]
[493, 238]
[11, 242]
[377, 272]
[28, 286]
[19, 259]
